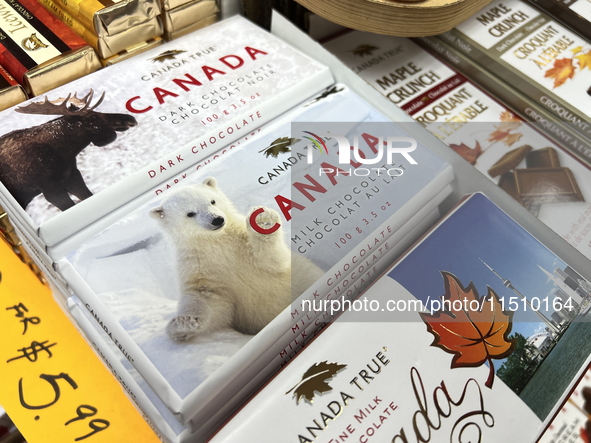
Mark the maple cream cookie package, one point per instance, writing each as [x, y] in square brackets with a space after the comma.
[476, 363]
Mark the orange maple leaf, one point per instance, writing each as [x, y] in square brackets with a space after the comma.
[473, 336]
[512, 138]
[467, 152]
[584, 60]
[563, 70]
[497, 135]
[507, 116]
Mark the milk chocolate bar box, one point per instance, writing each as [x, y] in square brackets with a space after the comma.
[248, 210]
[532, 169]
[155, 412]
[412, 367]
[534, 53]
[144, 120]
[573, 13]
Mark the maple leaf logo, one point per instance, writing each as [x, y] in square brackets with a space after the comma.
[508, 117]
[474, 337]
[167, 55]
[469, 154]
[278, 146]
[584, 60]
[509, 122]
[563, 70]
[315, 380]
[362, 50]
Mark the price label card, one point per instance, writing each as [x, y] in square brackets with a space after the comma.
[52, 384]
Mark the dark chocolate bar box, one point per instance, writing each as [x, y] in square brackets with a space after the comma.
[131, 127]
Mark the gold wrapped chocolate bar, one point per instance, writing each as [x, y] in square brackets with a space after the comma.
[107, 17]
[134, 50]
[11, 93]
[107, 45]
[188, 14]
[38, 50]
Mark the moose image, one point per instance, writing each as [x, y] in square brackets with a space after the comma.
[42, 159]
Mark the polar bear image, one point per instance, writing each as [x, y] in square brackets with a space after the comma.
[230, 274]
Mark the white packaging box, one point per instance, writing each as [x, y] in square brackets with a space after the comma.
[162, 112]
[126, 274]
[411, 373]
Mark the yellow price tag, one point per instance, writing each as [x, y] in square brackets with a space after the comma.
[53, 385]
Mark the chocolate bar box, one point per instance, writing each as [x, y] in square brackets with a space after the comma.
[534, 53]
[333, 225]
[163, 421]
[536, 172]
[143, 121]
[416, 368]
[575, 14]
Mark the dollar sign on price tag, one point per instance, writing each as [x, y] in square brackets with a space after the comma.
[53, 386]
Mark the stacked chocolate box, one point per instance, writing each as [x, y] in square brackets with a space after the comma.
[113, 28]
[542, 180]
[181, 17]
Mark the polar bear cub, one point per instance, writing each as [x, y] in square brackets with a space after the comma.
[230, 274]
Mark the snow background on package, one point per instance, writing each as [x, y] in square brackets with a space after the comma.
[140, 288]
[154, 138]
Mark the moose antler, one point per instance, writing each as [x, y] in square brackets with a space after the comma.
[75, 106]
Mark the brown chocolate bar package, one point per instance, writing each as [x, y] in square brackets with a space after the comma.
[108, 17]
[542, 158]
[188, 14]
[191, 28]
[547, 185]
[38, 50]
[130, 52]
[509, 161]
[11, 93]
[107, 45]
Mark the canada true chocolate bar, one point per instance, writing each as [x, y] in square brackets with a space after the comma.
[39, 50]
[254, 175]
[161, 112]
[111, 16]
[547, 185]
[542, 158]
[107, 45]
[428, 374]
[11, 93]
[188, 14]
[509, 161]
